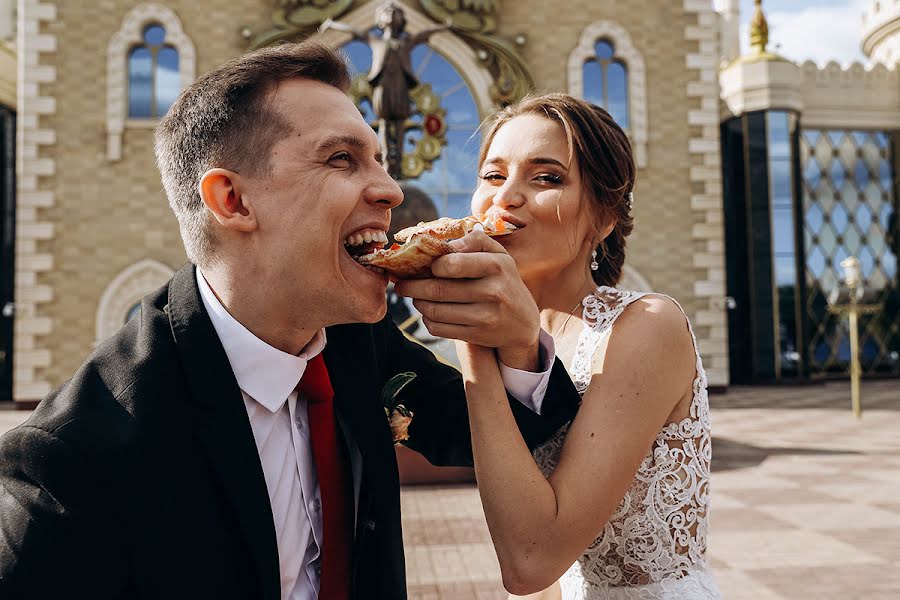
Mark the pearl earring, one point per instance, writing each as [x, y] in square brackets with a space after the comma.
[594, 264]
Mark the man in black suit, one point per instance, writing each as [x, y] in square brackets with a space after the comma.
[207, 450]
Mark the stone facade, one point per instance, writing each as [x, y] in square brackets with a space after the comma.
[92, 210]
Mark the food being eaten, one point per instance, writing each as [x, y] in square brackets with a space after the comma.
[427, 241]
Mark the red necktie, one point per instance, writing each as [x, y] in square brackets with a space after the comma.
[335, 483]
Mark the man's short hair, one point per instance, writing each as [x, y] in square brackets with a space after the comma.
[225, 120]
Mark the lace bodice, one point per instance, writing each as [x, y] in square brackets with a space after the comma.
[654, 545]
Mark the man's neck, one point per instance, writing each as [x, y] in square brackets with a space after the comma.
[260, 313]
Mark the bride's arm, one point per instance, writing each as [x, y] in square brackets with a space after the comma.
[540, 526]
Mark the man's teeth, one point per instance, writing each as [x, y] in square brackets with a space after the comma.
[366, 237]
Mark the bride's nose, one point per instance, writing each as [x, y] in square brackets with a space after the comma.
[509, 195]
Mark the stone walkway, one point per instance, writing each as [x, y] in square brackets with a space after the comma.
[806, 502]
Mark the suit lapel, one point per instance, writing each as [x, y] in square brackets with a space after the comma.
[223, 427]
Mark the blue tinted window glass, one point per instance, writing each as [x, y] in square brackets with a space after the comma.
[359, 55]
[461, 109]
[154, 35]
[605, 50]
[782, 188]
[462, 160]
[839, 218]
[593, 83]
[837, 174]
[168, 82]
[812, 174]
[779, 136]
[140, 83]
[889, 263]
[617, 92]
[783, 231]
[812, 136]
[785, 275]
[368, 113]
[434, 69]
[861, 174]
[884, 174]
[459, 205]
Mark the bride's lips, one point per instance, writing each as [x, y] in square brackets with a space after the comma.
[519, 223]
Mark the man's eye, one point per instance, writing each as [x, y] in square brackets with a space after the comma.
[340, 156]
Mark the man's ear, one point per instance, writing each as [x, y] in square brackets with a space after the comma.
[220, 190]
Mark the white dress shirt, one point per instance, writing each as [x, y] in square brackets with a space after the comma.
[280, 423]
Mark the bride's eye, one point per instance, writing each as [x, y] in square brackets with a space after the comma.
[551, 178]
[493, 176]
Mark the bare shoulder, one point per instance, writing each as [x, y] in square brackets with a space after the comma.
[652, 334]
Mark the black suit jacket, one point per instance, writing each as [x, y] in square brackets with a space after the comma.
[140, 478]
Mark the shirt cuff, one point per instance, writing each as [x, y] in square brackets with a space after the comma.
[527, 387]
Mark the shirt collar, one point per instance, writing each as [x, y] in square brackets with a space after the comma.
[265, 373]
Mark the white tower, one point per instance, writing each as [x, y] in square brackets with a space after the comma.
[881, 32]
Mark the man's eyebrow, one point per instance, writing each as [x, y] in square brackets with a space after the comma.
[335, 141]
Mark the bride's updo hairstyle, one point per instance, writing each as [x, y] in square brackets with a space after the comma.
[604, 158]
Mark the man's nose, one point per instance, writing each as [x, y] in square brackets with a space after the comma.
[384, 191]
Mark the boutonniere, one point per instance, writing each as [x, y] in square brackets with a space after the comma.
[399, 417]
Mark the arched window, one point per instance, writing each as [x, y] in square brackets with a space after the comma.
[607, 69]
[121, 300]
[149, 60]
[153, 76]
[606, 82]
[453, 176]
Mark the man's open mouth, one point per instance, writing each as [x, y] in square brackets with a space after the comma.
[363, 242]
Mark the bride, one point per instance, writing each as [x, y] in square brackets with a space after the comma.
[616, 505]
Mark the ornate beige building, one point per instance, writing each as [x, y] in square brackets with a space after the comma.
[94, 233]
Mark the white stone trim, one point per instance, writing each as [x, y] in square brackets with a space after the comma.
[451, 47]
[31, 327]
[129, 35]
[706, 199]
[126, 289]
[855, 97]
[637, 78]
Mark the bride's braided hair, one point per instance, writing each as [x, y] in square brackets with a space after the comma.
[604, 158]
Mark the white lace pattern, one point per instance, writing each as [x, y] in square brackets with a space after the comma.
[653, 547]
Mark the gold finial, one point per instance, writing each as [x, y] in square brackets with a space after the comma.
[759, 30]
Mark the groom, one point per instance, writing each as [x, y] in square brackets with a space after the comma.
[230, 441]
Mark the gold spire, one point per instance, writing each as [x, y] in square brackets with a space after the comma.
[759, 40]
[759, 30]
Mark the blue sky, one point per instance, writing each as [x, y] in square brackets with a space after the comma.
[819, 30]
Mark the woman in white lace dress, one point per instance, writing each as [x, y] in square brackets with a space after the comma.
[616, 506]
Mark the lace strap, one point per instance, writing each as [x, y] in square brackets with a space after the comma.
[601, 309]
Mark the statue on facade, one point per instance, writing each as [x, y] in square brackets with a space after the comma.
[391, 76]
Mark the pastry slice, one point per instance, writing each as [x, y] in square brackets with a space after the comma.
[427, 241]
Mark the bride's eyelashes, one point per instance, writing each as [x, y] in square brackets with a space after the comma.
[544, 178]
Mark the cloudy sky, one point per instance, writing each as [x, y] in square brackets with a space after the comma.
[819, 30]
